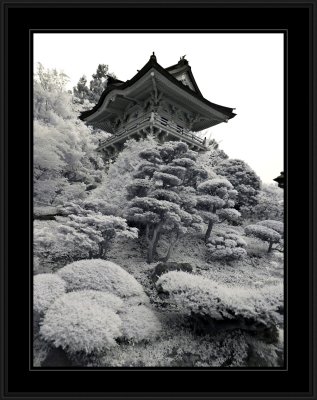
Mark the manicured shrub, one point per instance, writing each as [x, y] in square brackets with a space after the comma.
[263, 233]
[226, 246]
[140, 323]
[225, 254]
[277, 226]
[78, 322]
[105, 276]
[46, 289]
[193, 294]
[102, 299]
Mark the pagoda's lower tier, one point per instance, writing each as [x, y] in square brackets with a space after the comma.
[151, 123]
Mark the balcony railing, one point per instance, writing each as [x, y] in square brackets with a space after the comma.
[154, 119]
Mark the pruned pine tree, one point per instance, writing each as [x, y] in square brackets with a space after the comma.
[243, 179]
[215, 203]
[162, 195]
[263, 233]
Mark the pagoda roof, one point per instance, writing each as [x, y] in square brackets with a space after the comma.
[171, 73]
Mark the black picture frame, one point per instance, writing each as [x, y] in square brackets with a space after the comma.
[298, 19]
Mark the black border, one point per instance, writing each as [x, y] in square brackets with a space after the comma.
[16, 20]
[148, 65]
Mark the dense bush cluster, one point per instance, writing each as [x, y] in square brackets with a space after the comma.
[182, 349]
[270, 204]
[277, 226]
[104, 303]
[226, 246]
[105, 276]
[243, 179]
[80, 233]
[194, 294]
[140, 323]
[264, 233]
[77, 322]
[46, 289]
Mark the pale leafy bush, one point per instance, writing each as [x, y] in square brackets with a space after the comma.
[277, 226]
[270, 204]
[193, 294]
[88, 234]
[226, 246]
[226, 253]
[263, 233]
[46, 289]
[105, 276]
[140, 323]
[229, 214]
[180, 348]
[112, 191]
[102, 299]
[79, 322]
[65, 162]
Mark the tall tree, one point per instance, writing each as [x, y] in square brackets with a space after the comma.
[160, 195]
[66, 165]
[89, 96]
[215, 203]
[243, 179]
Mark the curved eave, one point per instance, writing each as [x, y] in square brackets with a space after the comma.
[152, 63]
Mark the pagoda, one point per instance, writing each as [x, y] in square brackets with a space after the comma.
[165, 102]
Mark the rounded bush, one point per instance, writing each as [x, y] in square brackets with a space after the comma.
[140, 324]
[277, 226]
[227, 253]
[102, 299]
[104, 276]
[193, 294]
[46, 289]
[262, 232]
[79, 323]
[225, 246]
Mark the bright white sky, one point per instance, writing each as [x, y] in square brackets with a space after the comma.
[242, 71]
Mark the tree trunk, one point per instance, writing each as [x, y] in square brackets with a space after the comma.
[150, 253]
[270, 247]
[156, 241]
[152, 242]
[208, 232]
[169, 251]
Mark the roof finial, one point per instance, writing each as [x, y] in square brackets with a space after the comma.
[183, 60]
[153, 56]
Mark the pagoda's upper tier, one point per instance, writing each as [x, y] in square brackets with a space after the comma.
[172, 91]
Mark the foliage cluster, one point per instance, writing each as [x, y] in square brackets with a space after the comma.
[103, 305]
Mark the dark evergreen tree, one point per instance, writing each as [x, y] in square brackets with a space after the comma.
[163, 195]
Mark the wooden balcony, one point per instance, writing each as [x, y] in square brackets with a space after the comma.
[151, 123]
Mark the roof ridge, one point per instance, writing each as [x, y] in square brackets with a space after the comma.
[152, 62]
